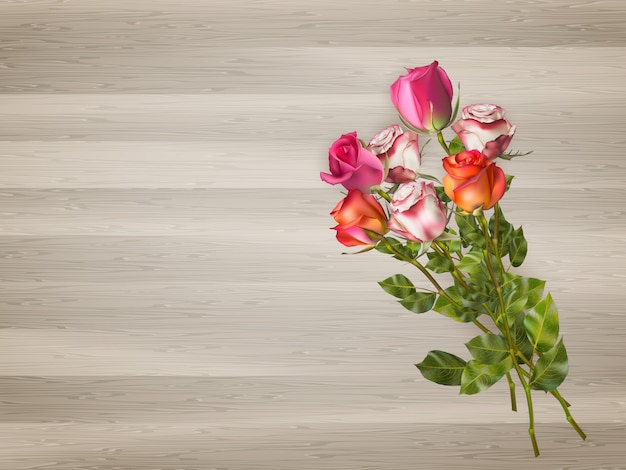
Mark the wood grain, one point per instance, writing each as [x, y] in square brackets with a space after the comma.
[171, 296]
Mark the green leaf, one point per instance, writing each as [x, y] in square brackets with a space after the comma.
[509, 179]
[442, 368]
[477, 377]
[419, 302]
[551, 369]
[505, 231]
[470, 263]
[535, 291]
[442, 194]
[470, 233]
[518, 248]
[488, 348]
[397, 245]
[456, 146]
[531, 286]
[521, 338]
[477, 292]
[398, 285]
[455, 310]
[451, 239]
[515, 298]
[414, 247]
[439, 263]
[382, 248]
[542, 324]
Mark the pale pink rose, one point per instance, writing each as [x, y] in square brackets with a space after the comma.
[353, 166]
[483, 112]
[383, 141]
[416, 212]
[484, 128]
[401, 149]
[423, 97]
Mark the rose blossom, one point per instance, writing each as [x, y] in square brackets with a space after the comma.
[352, 165]
[473, 181]
[423, 97]
[417, 212]
[401, 150]
[358, 211]
[484, 128]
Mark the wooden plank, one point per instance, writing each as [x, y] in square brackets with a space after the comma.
[118, 24]
[171, 296]
[201, 68]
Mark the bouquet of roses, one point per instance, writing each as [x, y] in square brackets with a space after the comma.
[444, 227]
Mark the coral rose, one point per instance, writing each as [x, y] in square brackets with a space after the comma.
[473, 180]
[355, 214]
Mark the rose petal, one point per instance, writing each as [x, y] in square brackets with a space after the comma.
[473, 193]
[353, 236]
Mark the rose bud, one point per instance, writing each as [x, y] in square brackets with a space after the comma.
[423, 97]
[473, 180]
[484, 128]
[353, 166]
[356, 212]
[401, 150]
[417, 212]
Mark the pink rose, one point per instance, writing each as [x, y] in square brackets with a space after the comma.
[351, 165]
[356, 212]
[402, 151]
[424, 97]
[416, 212]
[484, 128]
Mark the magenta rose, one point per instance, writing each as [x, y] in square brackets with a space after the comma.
[423, 97]
[353, 166]
[401, 150]
[484, 128]
[416, 212]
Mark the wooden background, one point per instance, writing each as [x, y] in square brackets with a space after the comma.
[171, 295]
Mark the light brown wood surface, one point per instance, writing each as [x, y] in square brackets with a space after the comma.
[171, 294]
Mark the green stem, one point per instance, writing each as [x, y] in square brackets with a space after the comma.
[458, 275]
[512, 391]
[509, 338]
[384, 195]
[531, 417]
[443, 143]
[419, 266]
[482, 327]
[568, 415]
[555, 393]
[495, 228]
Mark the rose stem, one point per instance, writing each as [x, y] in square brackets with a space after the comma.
[419, 266]
[384, 195]
[458, 275]
[564, 404]
[507, 333]
[570, 419]
[443, 143]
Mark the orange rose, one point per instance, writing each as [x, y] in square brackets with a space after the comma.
[358, 211]
[473, 180]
